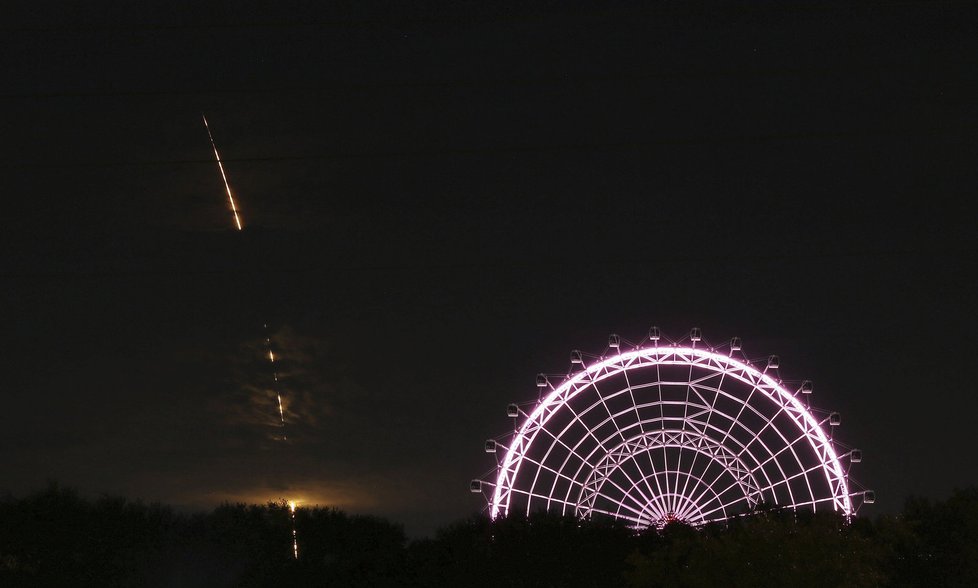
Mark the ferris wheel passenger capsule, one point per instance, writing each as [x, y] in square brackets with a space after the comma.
[490, 446]
[512, 411]
[855, 456]
[654, 334]
[695, 334]
[614, 341]
[773, 362]
[475, 486]
[806, 387]
[576, 357]
[542, 381]
[835, 419]
[735, 344]
[869, 497]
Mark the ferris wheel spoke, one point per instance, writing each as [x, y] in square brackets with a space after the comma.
[661, 507]
[691, 468]
[586, 460]
[551, 470]
[679, 464]
[618, 428]
[710, 449]
[654, 496]
[724, 507]
[659, 497]
[640, 508]
[711, 486]
[665, 478]
[646, 498]
[759, 431]
[604, 448]
[773, 455]
[579, 486]
[544, 497]
[641, 425]
[583, 460]
[689, 511]
[789, 447]
[740, 413]
[745, 447]
[571, 450]
[794, 476]
[716, 397]
[718, 496]
[594, 384]
[623, 499]
[678, 503]
[752, 472]
[634, 404]
[696, 495]
[658, 486]
[746, 489]
[590, 432]
[749, 478]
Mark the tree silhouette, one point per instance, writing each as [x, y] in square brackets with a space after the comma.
[56, 538]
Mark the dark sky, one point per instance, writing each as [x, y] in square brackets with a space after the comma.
[441, 203]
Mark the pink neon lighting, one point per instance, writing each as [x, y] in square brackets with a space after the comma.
[537, 420]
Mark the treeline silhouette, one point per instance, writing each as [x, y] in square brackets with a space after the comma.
[55, 537]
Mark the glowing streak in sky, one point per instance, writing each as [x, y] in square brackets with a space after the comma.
[268, 343]
[278, 395]
[217, 156]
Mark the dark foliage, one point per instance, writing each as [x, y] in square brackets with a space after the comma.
[56, 538]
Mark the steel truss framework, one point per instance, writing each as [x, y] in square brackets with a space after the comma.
[670, 432]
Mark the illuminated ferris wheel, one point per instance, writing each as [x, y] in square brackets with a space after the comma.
[666, 431]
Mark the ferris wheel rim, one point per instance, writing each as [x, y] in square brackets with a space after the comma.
[709, 359]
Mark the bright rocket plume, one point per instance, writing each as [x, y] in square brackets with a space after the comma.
[217, 156]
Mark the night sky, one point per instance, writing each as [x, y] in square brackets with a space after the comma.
[440, 203]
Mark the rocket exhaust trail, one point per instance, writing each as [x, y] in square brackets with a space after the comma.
[217, 156]
[268, 342]
[278, 393]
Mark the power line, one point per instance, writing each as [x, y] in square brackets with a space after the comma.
[469, 17]
[524, 81]
[560, 264]
[582, 147]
